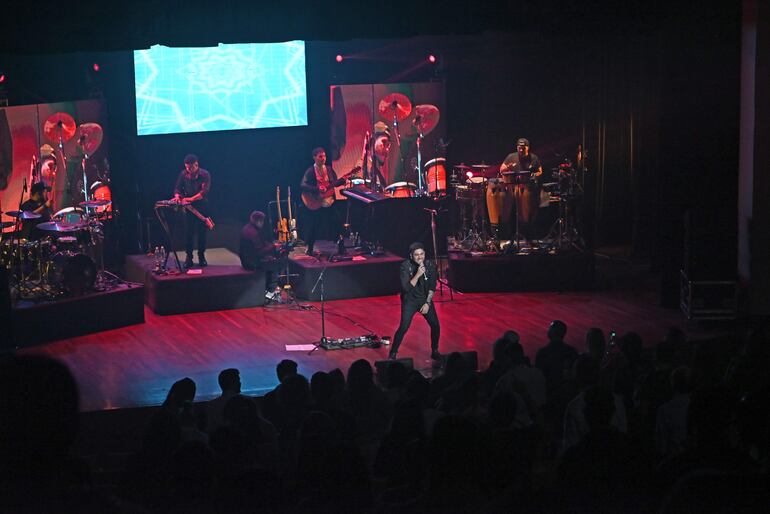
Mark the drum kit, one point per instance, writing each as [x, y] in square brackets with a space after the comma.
[63, 260]
[63, 256]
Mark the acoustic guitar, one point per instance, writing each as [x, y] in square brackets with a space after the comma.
[318, 200]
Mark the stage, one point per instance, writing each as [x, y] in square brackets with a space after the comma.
[135, 366]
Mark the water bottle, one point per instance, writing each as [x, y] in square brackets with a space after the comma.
[162, 258]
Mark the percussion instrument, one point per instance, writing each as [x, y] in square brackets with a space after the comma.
[401, 190]
[436, 175]
[499, 202]
[73, 272]
[394, 105]
[100, 191]
[69, 215]
[516, 177]
[23, 215]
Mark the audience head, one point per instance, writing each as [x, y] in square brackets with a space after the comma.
[294, 392]
[557, 331]
[360, 375]
[455, 365]
[517, 354]
[631, 346]
[675, 336]
[285, 369]
[241, 412]
[595, 343]
[512, 336]
[338, 380]
[181, 391]
[709, 417]
[321, 387]
[230, 380]
[501, 350]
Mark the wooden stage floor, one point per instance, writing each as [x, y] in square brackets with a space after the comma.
[135, 366]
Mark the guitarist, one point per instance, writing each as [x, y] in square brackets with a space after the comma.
[193, 186]
[319, 182]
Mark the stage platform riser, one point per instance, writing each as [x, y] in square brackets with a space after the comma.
[77, 316]
[512, 273]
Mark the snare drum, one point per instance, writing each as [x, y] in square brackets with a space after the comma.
[401, 190]
[436, 175]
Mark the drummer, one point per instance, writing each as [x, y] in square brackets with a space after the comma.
[39, 203]
[522, 160]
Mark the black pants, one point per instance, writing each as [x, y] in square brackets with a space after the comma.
[193, 226]
[322, 223]
[408, 309]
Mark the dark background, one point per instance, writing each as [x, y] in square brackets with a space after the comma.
[652, 91]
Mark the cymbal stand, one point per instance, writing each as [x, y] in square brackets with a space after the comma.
[441, 281]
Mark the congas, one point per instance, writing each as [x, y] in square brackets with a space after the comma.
[401, 190]
[526, 202]
[436, 175]
[499, 201]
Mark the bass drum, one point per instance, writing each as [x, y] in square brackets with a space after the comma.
[74, 273]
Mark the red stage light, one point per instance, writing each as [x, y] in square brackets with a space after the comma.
[469, 174]
[431, 58]
[2, 78]
[96, 67]
[339, 58]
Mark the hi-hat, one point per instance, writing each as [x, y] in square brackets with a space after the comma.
[425, 118]
[59, 124]
[462, 167]
[90, 137]
[395, 104]
[24, 215]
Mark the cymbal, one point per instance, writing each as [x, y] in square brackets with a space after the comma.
[482, 166]
[525, 172]
[426, 118]
[25, 215]
[94, 203]
[462, 167]
[59, 124]
[395, 103]
[58, 226]
[90, 137]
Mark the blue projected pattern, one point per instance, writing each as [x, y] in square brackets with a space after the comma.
[227, 87]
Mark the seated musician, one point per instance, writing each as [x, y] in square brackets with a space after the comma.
[258, 252]
[39, 203]
[522, 160]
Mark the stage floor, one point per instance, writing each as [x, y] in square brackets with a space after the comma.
[135, 366]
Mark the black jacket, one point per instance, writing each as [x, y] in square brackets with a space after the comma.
[427, 282]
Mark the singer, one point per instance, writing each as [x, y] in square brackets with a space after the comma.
[418, 285]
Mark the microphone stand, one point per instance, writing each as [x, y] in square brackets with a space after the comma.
[441, 281]
[320, 281]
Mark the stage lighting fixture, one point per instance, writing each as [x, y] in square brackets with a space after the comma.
[2, 77]
[469, 174]
[95, 66]
[339, 58]
[432, 59]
